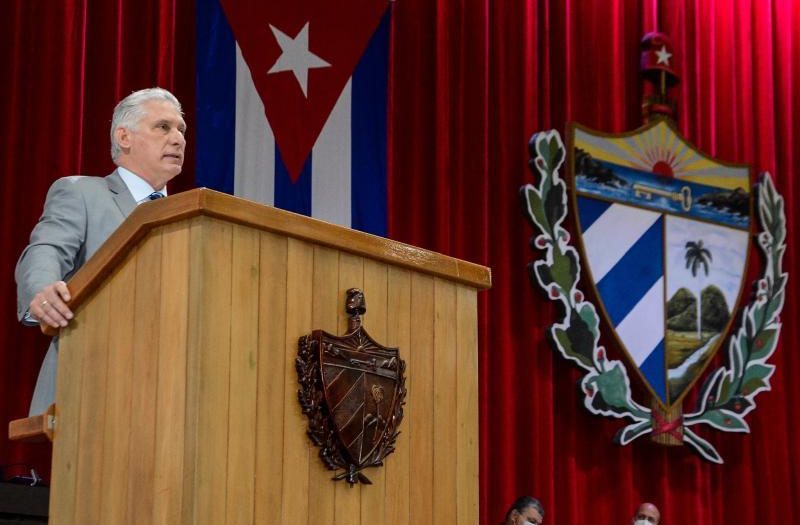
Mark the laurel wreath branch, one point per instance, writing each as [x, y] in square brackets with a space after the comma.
[728, 393]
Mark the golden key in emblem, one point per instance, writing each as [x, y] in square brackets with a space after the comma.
[646, 192]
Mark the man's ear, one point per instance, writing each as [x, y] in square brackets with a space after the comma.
[123, 136]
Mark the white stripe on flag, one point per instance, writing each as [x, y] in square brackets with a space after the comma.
[254, 165]
[331, 164]
[610, 237]
[642, 328]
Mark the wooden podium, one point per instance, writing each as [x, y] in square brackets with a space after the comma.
[177, 391]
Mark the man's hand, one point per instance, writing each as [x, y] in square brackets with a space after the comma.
[49, 306]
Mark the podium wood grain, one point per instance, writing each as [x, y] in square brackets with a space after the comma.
[177, 391]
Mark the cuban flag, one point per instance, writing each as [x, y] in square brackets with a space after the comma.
[291, 105]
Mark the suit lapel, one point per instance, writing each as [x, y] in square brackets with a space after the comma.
[122, 196]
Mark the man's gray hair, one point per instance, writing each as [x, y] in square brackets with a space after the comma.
[129, 112]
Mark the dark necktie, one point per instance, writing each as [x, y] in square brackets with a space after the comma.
[155, 195]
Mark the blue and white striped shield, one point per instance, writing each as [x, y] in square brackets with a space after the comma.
[664, 233]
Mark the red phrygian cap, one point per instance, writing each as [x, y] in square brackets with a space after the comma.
[657, 57]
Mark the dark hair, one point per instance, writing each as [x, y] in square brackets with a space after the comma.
[522, 503]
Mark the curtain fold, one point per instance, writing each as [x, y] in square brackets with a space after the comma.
[470, 82]
[473, 81]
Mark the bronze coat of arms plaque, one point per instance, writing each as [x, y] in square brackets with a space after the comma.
[353, 390]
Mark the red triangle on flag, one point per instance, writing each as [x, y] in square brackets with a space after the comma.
[301, 54]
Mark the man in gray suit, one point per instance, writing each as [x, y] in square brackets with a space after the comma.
[80, 213]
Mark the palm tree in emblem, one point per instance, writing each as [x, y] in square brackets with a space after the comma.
[375, 419]
[696, 257]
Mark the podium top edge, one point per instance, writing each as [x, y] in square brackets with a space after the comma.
[204, 201]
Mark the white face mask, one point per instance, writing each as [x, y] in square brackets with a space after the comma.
[526, 522]
[642, 522]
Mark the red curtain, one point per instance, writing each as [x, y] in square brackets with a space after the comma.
[64, 66]
[470, 82]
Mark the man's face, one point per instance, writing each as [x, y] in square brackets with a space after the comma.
[529, 514]
[647, 513]
[154, 148]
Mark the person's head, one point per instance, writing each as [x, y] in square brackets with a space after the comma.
[647, 514]
[525, 510]
[147, 135]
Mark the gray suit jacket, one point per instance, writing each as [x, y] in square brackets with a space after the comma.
[80, 213]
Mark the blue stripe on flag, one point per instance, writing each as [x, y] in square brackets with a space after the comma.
[215, 98]
[290, 196]
[631, 278]
[370, 91]
[589, 210]
[654, 370]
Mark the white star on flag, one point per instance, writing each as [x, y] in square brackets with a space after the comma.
[295, 56]
[663, 56]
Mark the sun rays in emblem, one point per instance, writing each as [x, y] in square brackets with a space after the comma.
[660, 150]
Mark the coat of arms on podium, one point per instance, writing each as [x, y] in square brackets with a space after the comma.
[663, 234]
[353, 390]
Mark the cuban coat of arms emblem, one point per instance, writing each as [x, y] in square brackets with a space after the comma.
[663, 236]
[352, 389]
